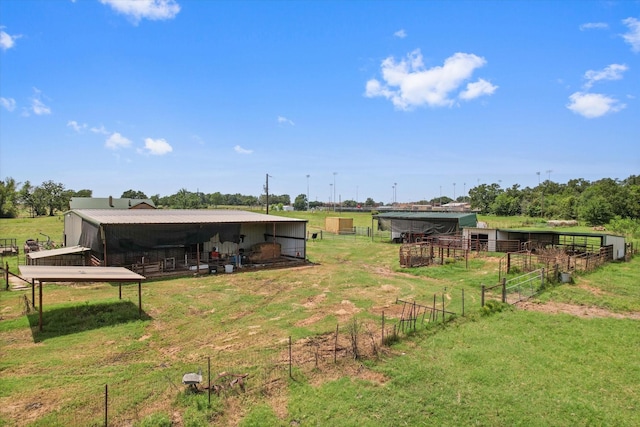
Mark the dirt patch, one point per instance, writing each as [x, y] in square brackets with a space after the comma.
[575, 310]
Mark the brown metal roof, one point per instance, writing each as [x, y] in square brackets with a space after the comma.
[178, 216]
[56, 252]
[46, 273]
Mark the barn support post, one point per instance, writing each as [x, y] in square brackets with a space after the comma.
[33, 292]
[140, 298]
[119, 290]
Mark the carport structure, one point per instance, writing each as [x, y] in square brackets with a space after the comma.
[44, 273]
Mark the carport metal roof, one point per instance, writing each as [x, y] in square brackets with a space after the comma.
[178, 216]
[47, 273]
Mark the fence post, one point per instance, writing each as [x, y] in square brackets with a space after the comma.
[290, 361]
[382, 337]
[209, 378]
[504, 289]
[482, 297]
[542, 279]
[335, 346]
[443, 313]
[106, 405]
[6, 275]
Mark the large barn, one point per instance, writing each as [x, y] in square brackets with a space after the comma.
[414, 226]
[151, 240]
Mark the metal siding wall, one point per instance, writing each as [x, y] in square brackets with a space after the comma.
[72, 229]
[291, 247]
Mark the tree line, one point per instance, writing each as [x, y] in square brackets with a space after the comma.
[594, 203]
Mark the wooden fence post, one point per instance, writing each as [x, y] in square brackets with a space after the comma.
[482, 297]
[504, 289]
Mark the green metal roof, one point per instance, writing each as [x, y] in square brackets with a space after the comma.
[465, 219]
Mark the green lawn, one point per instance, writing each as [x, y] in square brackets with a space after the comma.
[512, 367]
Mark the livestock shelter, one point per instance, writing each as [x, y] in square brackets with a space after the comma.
[513, 240]
[407, 227]
[159, 240]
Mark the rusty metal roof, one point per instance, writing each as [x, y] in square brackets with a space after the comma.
[47, 273]
[178, 216]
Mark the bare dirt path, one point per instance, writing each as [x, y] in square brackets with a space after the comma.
[575, 310]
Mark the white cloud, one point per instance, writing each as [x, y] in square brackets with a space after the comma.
[154, 10]
[116, 141]
[633, 36]
[37, 106]
[409, 84]
[76, 126]
[477, 89]
[8, 103]
[157, 147]
[610, 72]
[238, 149]
[400, 34]
[593, 105]
[594, 26]
[101, 130]
[7, 41]
[284, 120]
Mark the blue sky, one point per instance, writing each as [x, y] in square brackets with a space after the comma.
[429, 97]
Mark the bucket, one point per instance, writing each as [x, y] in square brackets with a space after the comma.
[565, 277]
[228, 268]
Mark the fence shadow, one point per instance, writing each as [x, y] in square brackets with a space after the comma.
[83, 317]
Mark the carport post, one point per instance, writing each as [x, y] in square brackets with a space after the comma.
[140, 298]
[119, 290]
[33, 292]
[40, 308]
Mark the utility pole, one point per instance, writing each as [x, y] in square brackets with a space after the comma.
[308, 191]
[267, 191]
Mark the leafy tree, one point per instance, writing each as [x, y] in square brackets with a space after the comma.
[350, 204]
[369, 202]
[8, 198]
[595, 209]
[300, 204]
[132, 194]
[483, 196]
[57, 197]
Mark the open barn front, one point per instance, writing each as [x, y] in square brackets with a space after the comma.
[410, 227]
[175, 241]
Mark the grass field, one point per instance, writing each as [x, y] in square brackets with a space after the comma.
[571, 359]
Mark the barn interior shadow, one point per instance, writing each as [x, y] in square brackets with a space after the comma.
[83, 317]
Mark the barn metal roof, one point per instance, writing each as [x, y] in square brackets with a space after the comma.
[48, 273]
[56, 252]
[465, 219]
[178, 216]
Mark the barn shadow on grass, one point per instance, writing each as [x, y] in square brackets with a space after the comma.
[83, 317]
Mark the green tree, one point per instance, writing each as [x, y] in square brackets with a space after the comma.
[595, 209]
[369, 202]
[300, 203]
[8, 198]
[57, 197]
[132, 194]
[483, 196]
